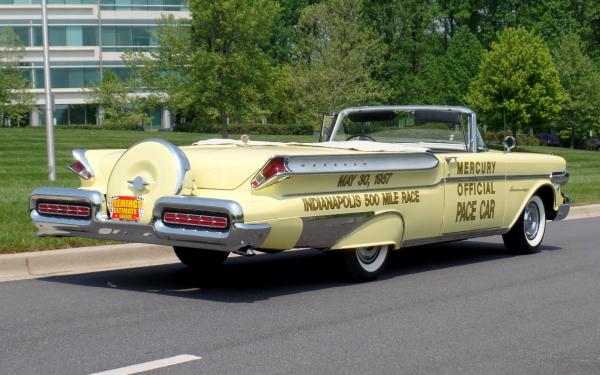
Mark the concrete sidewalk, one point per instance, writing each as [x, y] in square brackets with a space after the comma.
[83, 259]
[109, 257]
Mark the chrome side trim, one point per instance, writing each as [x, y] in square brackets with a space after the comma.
[359, 163]
[238, 235]
[182, 166]
[322, 232]
[497, 178]
[354, 191]
[454, 237]
[560, 178]
[441, 181]
[528, 177]
[474, 178]
[79, 155]
[380, 162]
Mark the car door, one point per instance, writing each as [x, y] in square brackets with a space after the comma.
[474, 191]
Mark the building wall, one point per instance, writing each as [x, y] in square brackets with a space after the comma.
[86, 38]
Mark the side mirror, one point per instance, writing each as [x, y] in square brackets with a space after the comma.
[509, 143]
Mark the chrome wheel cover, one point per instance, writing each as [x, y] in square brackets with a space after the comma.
[372, 258]
[368, 255]
[531, 220]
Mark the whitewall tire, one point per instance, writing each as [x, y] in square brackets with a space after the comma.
[525, 237]
[366, 263]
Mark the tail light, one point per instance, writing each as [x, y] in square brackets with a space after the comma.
[275, 167]
[195, 220]
[80, 165]
[63, 209]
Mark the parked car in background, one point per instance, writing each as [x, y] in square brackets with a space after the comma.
[549, 139]
[381, 179]
[593, 143]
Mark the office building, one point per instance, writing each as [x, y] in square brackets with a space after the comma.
[86, 38]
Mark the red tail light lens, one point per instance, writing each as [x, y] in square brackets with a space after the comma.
[80, 165]
[195, 220]
[80, 169]
[274, 167]
[63, 209]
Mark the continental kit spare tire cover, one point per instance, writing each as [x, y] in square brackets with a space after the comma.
[148, 170]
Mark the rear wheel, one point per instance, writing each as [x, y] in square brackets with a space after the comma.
[525, 237]
[200, 259]
[366, 263]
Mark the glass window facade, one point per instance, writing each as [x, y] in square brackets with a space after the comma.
[122, 72]
[70, 36]
[72, 114]
[155, 117]
[67, 77]
[73, 36]
[118, 38]
[24, 34]
[11, 2]
[145, 5]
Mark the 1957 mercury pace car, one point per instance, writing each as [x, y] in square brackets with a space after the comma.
[381, 179]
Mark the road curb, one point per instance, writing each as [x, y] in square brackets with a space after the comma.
[582, 212]
[100, 258]
[82, 259]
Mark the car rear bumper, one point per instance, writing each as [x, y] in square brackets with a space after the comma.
[98, 225]
[563, 209]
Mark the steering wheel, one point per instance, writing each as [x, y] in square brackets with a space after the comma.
[361, 137]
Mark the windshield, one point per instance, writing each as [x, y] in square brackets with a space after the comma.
[410, 126]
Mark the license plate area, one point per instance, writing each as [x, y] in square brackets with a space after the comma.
[127, 208]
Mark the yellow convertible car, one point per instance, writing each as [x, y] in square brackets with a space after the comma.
[381, 179]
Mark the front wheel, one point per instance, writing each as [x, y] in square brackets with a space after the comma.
[200, 259]
[525, 237]
[366, 263]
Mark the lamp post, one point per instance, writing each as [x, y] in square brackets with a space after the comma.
[49, 101]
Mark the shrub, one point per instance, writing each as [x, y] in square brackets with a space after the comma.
[527, 140]
[102, 127]
[497, 138]
[265, 129]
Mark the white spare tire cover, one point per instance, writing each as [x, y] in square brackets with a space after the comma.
[148, 170]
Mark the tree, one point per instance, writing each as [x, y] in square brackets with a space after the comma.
[581, 111]
[447, 78]
[120, 109]
[164, 72]
[15, 100]
[413, 39]
[286, 36]
[231, 65]
[337, 57]
[518, 84]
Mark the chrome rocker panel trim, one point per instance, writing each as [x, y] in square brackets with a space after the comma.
[238, 236]
[455, 236]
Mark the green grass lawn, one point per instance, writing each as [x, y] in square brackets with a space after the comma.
[23, 168]
[584, 168]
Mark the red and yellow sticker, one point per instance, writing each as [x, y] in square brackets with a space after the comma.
[125, 207]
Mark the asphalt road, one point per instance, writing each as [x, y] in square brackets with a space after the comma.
[461, 308]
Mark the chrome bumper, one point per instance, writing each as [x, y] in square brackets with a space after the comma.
[98, 225]
[563, 209]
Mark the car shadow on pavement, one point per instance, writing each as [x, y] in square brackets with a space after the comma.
[251, 279]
